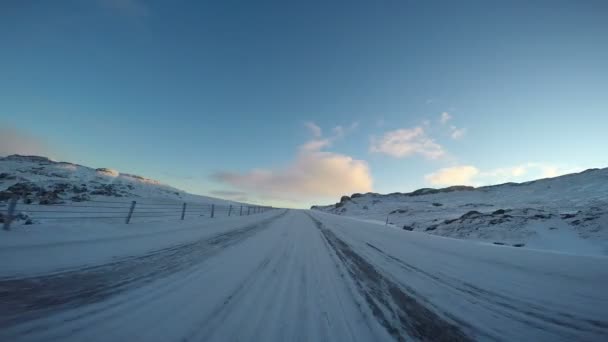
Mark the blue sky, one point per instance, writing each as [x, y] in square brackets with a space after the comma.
[294, 103]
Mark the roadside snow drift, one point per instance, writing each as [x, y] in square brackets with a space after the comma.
[567, 213]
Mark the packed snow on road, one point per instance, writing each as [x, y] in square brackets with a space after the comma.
[567, 214]
[291, 275]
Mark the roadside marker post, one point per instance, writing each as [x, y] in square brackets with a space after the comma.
[10, 213]
[131, 209]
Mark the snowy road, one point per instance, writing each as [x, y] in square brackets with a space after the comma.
[308, 276]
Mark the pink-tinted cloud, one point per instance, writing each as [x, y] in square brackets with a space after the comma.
[14, 141]
[313, 174]
[239, 196]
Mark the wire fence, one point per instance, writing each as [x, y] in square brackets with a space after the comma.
[127, 211]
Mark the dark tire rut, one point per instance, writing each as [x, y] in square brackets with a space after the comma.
[28, 298]
[400, 313]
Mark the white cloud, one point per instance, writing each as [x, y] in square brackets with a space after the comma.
[550, 171]
[406, 142]
[341, 131]
[318, 142]
[457, 133]
[315, 130]
[457, 175]
[14, 141]
[445, 117]
[518, 171]
[313, 174]
[315, 145]
[471, 175]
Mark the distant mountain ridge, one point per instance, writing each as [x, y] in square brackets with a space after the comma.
[560, 213]
[429, 191]
[41, 180]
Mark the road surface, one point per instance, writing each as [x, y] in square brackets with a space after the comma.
[307, 276]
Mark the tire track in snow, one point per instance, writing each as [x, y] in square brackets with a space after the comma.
[531, 314]
[112, 317]
[256, 290]
[28, 298]
[289, 297]
[398, 312]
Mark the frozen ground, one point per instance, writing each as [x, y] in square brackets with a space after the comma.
[59, 198]
[567, 214]
[293, 276]
[42, 181]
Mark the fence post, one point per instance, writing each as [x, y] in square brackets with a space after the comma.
[183, 210]
[10, 213]
[130, 212]
[212, 210]
[387, 215]
[248, 210]
[230, 210]
[241, 214]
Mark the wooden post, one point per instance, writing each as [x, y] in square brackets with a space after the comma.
[230, 210]
[212, 210]
[183, 210]
[386, 224]
[248, 210]
[10, 213]
[130, 212]
[241, 214]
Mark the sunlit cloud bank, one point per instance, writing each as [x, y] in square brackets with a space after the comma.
[471, 175]
[14, 141]
[313, 174]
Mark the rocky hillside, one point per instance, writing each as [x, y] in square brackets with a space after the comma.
[567, 213]
[42, 181]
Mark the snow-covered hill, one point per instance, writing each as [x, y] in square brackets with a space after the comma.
[39, 180]
[567, 213]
